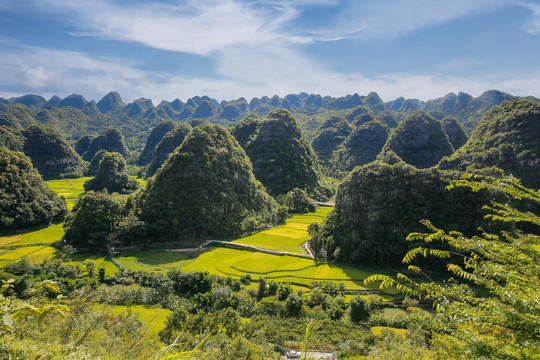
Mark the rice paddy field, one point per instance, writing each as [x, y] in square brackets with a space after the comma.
[228, 262]
[288, 237]
[71, 189]
[298, 271]
[160, 262]
[153, 317]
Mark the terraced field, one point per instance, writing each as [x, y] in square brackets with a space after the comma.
[287, 237]
[71, 189]
[298, 271]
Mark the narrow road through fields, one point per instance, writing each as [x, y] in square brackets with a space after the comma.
[231, 245]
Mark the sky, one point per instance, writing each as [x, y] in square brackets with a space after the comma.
[229, 49]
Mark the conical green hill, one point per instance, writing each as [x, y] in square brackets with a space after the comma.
[419, 140]
[361, 147]
[157, 133]
[25, 200]
[166, 146]
[112, 175]
[111, 140]
[455, 132]
[507, 137]
[329, 136]
[283, 159]
[206, 189]
[51, 154]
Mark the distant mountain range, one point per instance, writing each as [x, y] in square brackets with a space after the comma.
[75, 116]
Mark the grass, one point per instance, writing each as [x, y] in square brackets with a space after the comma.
[46, 235]
[159, 262]
[287, 237]
[235, 263]
[82, 259]
[153, 317]
[392, 312]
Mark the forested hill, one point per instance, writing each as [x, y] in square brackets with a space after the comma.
[75, 116]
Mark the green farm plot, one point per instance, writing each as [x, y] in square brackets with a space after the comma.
[34, 254]
[295, 270]
[71, 189]
[380, 330]
[288, 237]
[43, 236]
[392, 312]
[159, 262]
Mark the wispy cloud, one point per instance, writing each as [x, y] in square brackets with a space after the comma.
[393, 19]
[533, 25]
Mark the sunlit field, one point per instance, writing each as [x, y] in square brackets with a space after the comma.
[287, 237]
[159, 262]
[71, 189]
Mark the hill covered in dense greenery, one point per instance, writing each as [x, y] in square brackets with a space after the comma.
[378, 204]
[282, 157]
[206, 189]
[166, 146]
[25, 200]
[507, 137]
[361, 147]
[51, 154]
[419, 140]
[112, 175]
[74, 116]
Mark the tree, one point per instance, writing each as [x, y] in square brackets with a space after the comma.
[506, 323]
[67, 251]
[94, 217]
[360, 309]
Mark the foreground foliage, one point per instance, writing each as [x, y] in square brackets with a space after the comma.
[505, 324]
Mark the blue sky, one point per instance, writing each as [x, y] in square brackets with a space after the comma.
[232, 48]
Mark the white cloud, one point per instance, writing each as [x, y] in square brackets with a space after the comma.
[393, 19]
[533, 25]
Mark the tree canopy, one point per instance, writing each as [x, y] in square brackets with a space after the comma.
[25, 200]
[507, 137]
[112, 175]
[503, 324]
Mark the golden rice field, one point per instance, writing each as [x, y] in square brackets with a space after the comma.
[71, 189]
[299, 271]
[287, 237]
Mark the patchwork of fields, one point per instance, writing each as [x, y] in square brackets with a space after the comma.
[228, 262]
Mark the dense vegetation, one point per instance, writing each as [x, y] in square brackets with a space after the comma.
[378, 204]
[166, 146]
[507, 137]
[112, 175]
[51, 155]
[419, 140]
[204, 184]
[206, 189]
[25, 200]
[329, 136]
[361, 147]
[158, 132]
[111, 140]
[282, 157]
